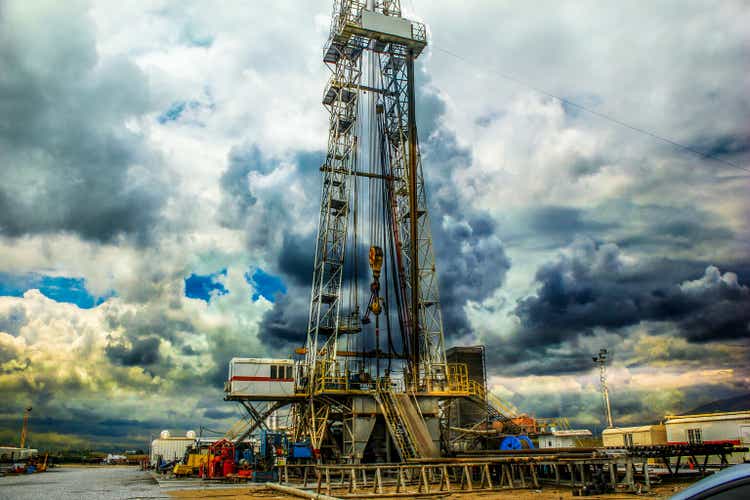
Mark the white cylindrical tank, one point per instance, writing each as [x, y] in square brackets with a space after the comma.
[190, 434]
[164, 434]
[169, 449]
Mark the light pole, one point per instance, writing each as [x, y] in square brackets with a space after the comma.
[24, 428]
[601, 361]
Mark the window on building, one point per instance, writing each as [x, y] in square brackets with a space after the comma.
[281, 372]
[694, 436]
[628, 439]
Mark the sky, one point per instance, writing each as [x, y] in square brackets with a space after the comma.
[160, 188]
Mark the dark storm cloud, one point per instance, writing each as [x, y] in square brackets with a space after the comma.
[270, 227]
[554, 226]
[219, 414]
[724, 146]
[595, 287]
[556, 219]
[285, 326]
[143, 333]
[102, 432]
[235, 185]
[470, 258]
[661, 229]
[471, 264]
[140, 352]
[148, 321]
[68, 161]
[224, 345]
[296, 258]
[264, 217]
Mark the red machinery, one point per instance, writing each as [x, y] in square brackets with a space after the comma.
[220, 460]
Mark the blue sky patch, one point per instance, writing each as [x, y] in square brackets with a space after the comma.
[266, 285]
[201, 41]
[176, 110]
[57, 288]
[204, 286]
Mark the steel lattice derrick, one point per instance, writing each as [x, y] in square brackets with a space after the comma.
[343, 56]
[394, 64]
[394, 43]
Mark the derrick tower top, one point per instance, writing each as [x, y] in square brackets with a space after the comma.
[383, 319]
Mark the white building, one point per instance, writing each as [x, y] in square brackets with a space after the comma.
[12, 453]
[260, 377]
[644, 435]
[711, 428]
[564, 438]
[170, 448]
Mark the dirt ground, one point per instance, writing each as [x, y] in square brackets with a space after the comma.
[548, 493]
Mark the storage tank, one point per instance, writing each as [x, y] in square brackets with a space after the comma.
[169, 448]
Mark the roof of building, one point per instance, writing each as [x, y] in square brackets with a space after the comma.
[571, 433]
[728, 415]
[472, 349]
[264, 361]
[627, 430]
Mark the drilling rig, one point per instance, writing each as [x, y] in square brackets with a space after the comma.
[371, 383]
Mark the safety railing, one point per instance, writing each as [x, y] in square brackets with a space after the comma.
[395, 419]
[458, 378]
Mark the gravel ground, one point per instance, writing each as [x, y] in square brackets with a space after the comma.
[120, 483]
[106, 483]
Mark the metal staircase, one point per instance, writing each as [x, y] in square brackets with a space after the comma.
[497, 409]
[397, 422]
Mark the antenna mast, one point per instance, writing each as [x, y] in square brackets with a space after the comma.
[601, 361]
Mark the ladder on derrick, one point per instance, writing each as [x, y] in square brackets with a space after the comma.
[397, 422]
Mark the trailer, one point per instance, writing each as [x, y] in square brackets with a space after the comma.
[644, 435]
[563, 438]
[712, 428]
[254, 377]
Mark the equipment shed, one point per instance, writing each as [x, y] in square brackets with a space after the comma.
[569, 438]
[644, 435]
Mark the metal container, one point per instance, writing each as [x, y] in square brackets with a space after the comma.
[644, 435]
[261, 377]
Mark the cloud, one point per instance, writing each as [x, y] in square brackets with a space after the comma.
[639, 395]
[141, 352]
[63, 117]
[596, 285]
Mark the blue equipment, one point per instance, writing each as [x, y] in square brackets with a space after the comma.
[516, 443]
